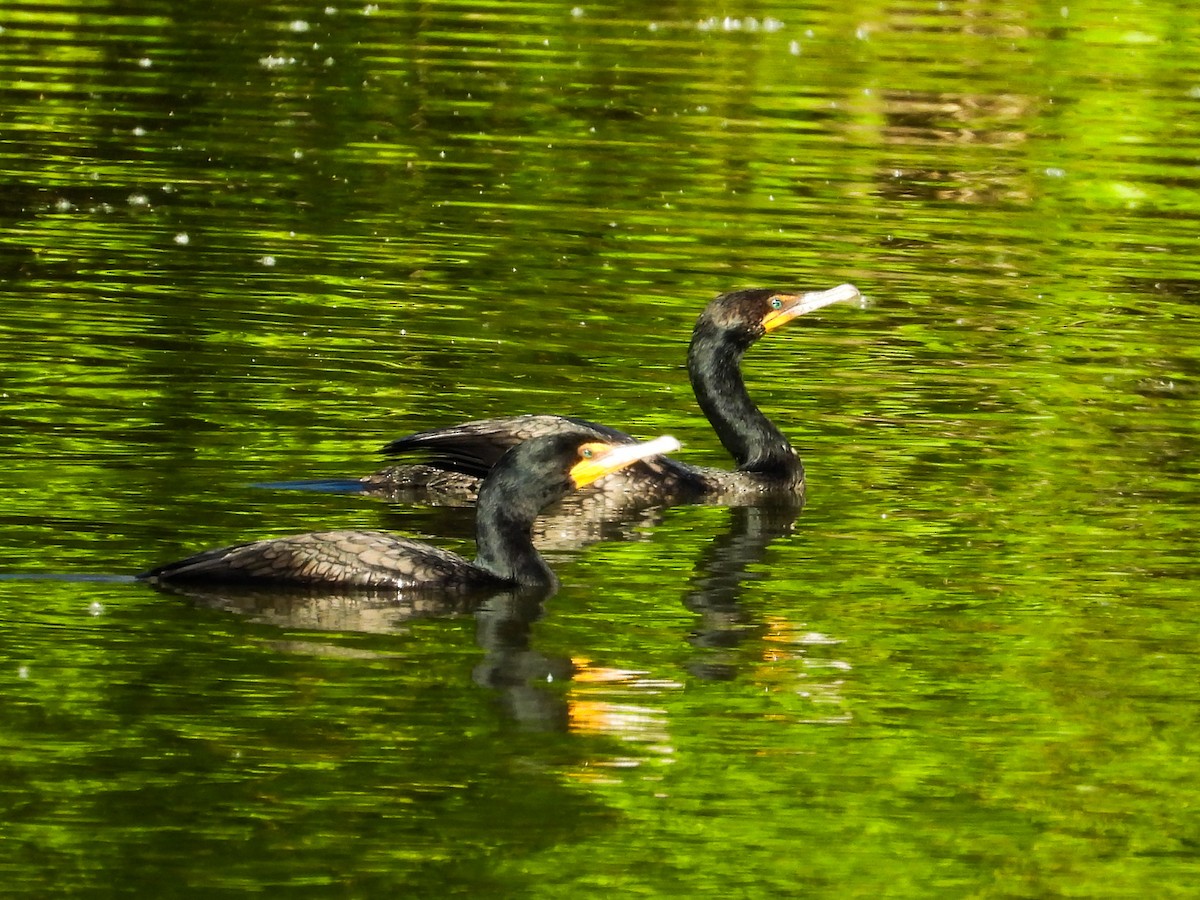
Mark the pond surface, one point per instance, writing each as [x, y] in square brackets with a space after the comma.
[243, 243]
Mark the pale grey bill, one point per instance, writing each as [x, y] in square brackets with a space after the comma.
[843, 293]
[633, 452]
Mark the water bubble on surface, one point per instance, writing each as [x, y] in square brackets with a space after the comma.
[138, 200]
[182, 238]
[298, 25]
[731, 23]
[816, 637]
[96, 608]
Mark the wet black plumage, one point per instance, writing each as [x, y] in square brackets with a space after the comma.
[457, 457]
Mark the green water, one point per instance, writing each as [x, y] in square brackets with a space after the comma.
[253, 242]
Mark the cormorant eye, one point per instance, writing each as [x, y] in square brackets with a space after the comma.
[587, 453]
[776, 303]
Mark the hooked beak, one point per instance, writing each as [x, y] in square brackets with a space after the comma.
[798, 304]
[605, 461]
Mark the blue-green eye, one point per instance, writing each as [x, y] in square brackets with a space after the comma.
[776, 303]
[586, 453]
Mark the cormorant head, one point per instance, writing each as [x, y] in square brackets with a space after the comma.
[747, 315]
[542, 469]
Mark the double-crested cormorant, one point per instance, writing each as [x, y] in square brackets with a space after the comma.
[527, 478]
[460, 455]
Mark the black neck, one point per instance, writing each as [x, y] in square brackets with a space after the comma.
[503, 525]
[714, 365]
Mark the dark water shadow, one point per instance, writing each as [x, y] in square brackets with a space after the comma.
[319, 486]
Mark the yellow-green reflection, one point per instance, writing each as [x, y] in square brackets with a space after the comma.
[247, 242]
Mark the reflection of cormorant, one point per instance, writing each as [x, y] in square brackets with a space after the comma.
[523, 677]
[528, 478]
[459, 456]
[721, 574]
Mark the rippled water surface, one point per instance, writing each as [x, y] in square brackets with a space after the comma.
[252, 242]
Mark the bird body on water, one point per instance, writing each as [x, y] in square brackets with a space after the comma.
[458, 457]
[526, 479]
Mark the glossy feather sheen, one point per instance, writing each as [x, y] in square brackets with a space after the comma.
[359, 559]
[458, 457]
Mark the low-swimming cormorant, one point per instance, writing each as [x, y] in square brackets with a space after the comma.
[527, 478]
